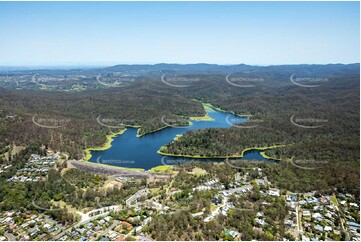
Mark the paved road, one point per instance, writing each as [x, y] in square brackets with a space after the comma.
[115, 223]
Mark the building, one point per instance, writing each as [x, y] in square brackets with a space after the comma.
[130, 201]
[306, 213]
[274, 193]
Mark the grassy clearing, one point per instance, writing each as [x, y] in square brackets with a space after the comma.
[154, 191]
[199, 171]
[162, 169]
[334, 200]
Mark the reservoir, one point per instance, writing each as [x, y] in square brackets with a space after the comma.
[128, 150]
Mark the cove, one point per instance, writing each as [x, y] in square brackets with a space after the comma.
[128, 150]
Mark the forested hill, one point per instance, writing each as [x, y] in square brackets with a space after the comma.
[272, 94]
[222, 69]
[200, 68]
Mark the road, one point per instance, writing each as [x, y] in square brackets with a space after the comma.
[115, 223]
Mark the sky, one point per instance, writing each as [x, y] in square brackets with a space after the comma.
[107, 33]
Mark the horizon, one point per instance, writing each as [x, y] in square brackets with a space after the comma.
[164, 63]
[227, 33]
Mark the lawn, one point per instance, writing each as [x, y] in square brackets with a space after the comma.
[162, 169]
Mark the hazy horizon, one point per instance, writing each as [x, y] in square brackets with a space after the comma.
[18, 67]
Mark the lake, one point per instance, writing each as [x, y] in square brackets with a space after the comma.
[130, 151]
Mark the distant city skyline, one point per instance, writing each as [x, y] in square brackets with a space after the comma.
[226, 33]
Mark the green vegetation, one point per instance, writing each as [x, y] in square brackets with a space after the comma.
[145, 101]
[162, 169]
[106, 146]
[75, 188]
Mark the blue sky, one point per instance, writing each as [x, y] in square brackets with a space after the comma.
[105, 33]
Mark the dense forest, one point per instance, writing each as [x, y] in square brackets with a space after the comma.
[272, 102]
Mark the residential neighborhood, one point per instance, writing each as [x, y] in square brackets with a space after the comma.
[310, 216]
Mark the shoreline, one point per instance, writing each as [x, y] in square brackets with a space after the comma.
[206, 117]
[105, 146]
[225, 157]
[222, 110]
[263, 153]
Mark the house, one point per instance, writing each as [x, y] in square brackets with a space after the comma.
[329, 215]
[34, 232]
[232, 233]
[318, 228]
[53, 229]
[147, 220]
[304, 238]
[324, 199]
[65, 237]
[97, 228]
[89, 233]
[288, 222]
[215, 201]
[47, 226]
[274, 193]
[102, 221]
[80, 230]
[343, 203]
[331, 207]
[42, 236]
[328, 228]
[74, 234]
[353, 225]
[112, 235]
[89, 225]
[208, 218]
[197, 214]
[8, 220]
[306, 213]
[260, 222]
[127, 224]
[138, 229]
[24, 225]
[260, 182]
[311, 200]
[12, 226]
[306, 225]
[318, 208]
[316, 216]
[354, 205]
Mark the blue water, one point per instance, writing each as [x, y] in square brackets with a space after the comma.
[127, 150]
